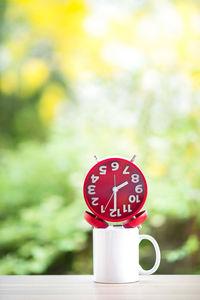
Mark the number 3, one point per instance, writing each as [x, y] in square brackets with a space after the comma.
[91, 190]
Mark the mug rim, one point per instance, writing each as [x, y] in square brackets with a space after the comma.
[116, 227]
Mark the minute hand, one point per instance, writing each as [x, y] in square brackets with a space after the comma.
[121, 185]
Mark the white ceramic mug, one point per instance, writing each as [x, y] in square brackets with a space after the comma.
[116, 254]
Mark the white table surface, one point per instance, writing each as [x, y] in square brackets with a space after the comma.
[83, 287]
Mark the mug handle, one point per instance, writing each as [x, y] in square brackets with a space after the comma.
[157, 250]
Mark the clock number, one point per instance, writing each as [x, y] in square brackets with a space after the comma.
[135, 178]
[138, 189]
[102, 170]
[118, 213]
[115, 213]
[91, 190]
[94, 178]
[125, 170]
[125, 209]
[129, 208]
[94, 201]
[133, 198]
[102, 209]
[114, 166]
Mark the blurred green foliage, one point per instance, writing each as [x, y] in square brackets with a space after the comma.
[40, 191]
[99, 79]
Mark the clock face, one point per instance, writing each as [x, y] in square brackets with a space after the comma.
[115, 189]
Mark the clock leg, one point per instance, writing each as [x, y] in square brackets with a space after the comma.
[94, 220]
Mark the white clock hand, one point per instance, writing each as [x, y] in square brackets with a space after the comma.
[121, 185]
[115, 194]
[115, 190]
[115, 199]
[109, 200]
[114, 180]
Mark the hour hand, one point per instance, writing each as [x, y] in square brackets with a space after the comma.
[121, 185]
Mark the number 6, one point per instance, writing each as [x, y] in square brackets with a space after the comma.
[115, 166]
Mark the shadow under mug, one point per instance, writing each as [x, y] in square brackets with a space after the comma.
[116, 254]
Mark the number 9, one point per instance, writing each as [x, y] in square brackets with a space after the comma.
[114, 166]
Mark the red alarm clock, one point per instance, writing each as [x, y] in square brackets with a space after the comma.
[115, 189]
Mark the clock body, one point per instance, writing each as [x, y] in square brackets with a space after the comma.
[115, 189]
